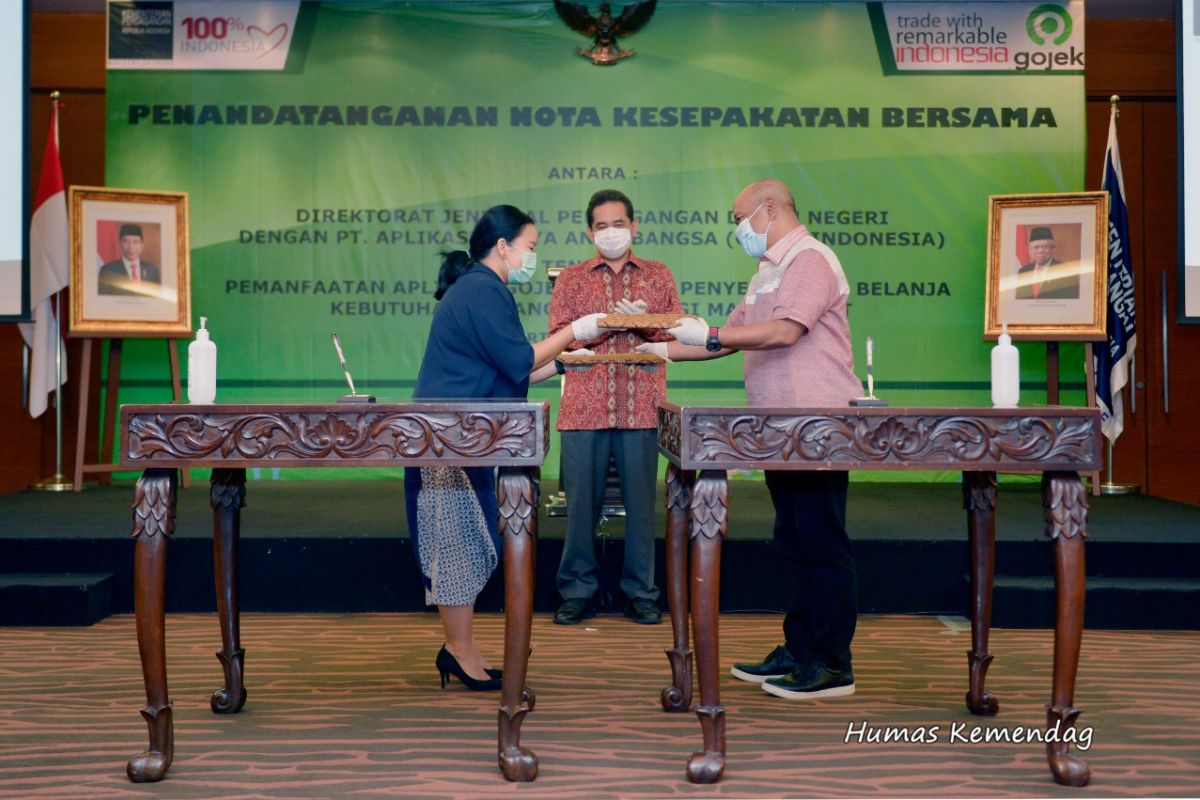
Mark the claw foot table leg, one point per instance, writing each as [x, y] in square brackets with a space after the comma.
[1064, 502]
[153, 523]
[518, 499]
[708, 766]
[678, 696]
[709, 514]
[227, 498]
[979, 500]
[151, 764]
[231, 697]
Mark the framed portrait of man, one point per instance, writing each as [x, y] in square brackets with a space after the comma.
[130, 271]
[1047, 266]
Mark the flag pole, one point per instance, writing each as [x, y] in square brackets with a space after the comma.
[25, 367]
[56, 482]
[1109, 487]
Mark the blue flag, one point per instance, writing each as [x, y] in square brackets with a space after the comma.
[1111, 359]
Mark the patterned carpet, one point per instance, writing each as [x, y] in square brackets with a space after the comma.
[349, 706]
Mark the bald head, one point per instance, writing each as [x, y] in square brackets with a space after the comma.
[768, 189]
[772, 206]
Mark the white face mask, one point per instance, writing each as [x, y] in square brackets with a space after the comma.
[613, 242]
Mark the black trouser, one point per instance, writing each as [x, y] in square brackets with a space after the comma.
[817, 562]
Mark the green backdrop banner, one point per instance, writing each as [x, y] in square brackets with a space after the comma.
[322, 192]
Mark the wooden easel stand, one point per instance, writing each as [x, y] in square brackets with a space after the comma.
[108, 412]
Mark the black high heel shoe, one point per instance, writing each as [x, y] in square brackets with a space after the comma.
[448, 665]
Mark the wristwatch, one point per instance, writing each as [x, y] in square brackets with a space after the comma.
[559, 367]
[713, 344]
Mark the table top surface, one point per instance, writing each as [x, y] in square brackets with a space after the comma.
[982, 410]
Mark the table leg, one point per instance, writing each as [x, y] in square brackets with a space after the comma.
[678, 696]
[1064, 501]
[227, 498]
[518, 499]
[709, 515]
[979, 500]
[153, 523]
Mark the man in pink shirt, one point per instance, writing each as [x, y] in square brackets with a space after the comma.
[793, 328]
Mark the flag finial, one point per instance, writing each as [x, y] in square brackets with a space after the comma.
[1113, 102]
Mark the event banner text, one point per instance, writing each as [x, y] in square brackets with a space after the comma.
[323, 188]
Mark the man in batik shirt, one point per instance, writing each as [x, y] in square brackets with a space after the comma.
[610, 410]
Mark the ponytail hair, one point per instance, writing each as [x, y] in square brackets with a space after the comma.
[455, 264]
[498, 222]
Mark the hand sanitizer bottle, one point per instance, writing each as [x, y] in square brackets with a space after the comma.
[202, 367]
[1006, 372]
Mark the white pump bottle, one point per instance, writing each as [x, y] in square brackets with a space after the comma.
[202, 367]
[1006, 372]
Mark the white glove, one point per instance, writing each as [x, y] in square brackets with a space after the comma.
[632, 307]
[583, 351]
[690, 330]
[657, 348]
[586, 328]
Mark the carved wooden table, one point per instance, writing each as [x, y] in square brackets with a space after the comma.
[161, 439]
[1058, 442]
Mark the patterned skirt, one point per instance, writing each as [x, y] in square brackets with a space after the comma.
[453, 521]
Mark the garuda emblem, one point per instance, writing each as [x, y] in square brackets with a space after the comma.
[605, 29]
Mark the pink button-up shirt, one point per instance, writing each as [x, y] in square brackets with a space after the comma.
[818, 370]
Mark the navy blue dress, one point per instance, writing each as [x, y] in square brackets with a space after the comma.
[477, 350]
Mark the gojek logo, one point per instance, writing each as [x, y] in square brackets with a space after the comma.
[1047, 21]
[1049, 27]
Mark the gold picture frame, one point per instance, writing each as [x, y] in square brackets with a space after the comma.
[130, 267]
[1047, 266]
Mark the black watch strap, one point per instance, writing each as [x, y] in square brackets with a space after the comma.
[713, 344]
[559, 368]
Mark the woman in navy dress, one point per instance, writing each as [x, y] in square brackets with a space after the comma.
[477, 349]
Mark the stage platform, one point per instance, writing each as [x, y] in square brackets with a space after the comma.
[342, 546]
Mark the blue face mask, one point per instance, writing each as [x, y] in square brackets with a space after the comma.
[523, 273]
[754, 243]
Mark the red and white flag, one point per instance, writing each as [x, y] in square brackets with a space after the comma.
[49, 272]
